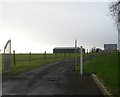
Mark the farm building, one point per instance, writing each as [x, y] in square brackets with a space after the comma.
[110, 47]
[65, 50]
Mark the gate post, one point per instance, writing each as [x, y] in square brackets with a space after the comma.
[7, 56]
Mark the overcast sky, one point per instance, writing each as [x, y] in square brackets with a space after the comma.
[41, 26]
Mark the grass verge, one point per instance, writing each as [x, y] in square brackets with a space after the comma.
[106, 67]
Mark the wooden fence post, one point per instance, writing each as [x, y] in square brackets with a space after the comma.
[14, 58]
[30, 56]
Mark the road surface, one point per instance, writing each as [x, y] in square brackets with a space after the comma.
[52, 79]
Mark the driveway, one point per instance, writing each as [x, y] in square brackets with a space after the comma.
[56, 78]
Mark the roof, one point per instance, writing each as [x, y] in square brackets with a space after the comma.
[110, 44]
[65, 47]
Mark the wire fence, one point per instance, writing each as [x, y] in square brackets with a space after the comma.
[32, 57]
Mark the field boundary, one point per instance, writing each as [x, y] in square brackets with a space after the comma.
[100, 85]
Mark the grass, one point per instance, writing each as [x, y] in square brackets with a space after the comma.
[106, 67]
[0, 63]
[24, 63]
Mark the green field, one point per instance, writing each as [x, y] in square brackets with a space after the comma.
[25, 63]
[106, 67]
[0, 63]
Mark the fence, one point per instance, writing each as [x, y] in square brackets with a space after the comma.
[31, 57]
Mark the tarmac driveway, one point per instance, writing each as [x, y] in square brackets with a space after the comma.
[52, 79]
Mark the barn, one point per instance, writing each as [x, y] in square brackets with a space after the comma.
[65, 50]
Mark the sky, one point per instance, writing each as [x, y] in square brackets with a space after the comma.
[40, 26]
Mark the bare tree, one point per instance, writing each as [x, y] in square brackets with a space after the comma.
[115, 12]
[93, 50]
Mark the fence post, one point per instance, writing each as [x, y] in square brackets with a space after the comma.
[81, 61]
[44, 55]
[30, 56]
[14, 58]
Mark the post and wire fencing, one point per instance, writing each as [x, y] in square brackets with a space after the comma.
[24, 60]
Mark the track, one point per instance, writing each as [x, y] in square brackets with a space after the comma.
[52, 79]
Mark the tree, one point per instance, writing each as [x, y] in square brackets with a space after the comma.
[115, 12]
[83, 50]
[93, 50]
[98, 50]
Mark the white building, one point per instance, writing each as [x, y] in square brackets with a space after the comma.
[110, 47]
